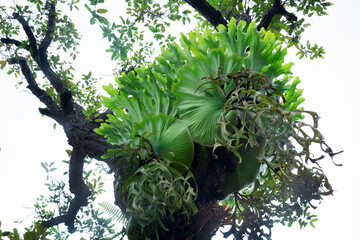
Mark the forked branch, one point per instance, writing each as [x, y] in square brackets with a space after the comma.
[277, 8]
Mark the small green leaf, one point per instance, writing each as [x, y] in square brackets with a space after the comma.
[101, 11]
[44, 165]
[2, 64]
[68, 152]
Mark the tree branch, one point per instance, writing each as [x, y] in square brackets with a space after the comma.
[15, 42]
[77, 187]
[40, 55]
[29, 33]
[66, 102]
[277, 8]
[49, 31]
[210, 13]
[80, 133]
[33, 87]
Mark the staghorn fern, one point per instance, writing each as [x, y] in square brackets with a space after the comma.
[223, 103]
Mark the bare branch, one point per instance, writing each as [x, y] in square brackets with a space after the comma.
[33, 86]
[49, 31]
[210, 13]
[277, 8]
[80, 134]
[28, 31]
[40, 55]
[15, 42]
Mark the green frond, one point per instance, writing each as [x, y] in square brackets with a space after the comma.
[113, 211]
[170, 139]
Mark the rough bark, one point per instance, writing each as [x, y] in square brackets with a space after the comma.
[210, 13]
[215, 17]
[277, 8]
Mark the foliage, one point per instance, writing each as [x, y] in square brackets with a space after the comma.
[143, 18]
[158, 196]
[214, 117]
[287, 31]
[38, 232]
[90, 221]
[233, 90]
[154, 18]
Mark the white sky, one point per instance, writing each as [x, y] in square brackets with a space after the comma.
[331, 87]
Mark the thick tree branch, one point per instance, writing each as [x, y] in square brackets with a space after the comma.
[77, 187]
[15, 42]
[67, 103]
[40, 54]
[85, 142]
[49, 31]
[50, 114]
[277, 8]
[33, 87]
[210, 13]
[29, 33]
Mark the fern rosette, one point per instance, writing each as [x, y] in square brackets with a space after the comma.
[170, 139]
[220, 107]
[239, 63]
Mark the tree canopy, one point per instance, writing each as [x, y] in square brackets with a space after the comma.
[209, 132]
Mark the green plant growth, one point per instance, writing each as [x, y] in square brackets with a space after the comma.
[222, 98]
[210, 133]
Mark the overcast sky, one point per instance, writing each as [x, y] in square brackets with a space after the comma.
[331, 87]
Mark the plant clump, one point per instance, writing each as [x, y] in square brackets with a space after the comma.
[216, 117]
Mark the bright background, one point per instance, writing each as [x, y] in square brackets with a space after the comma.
[332, 89]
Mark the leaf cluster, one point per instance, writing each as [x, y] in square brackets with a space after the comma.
[90, 221]
[231, 89]
[158, 197]
[127, 37]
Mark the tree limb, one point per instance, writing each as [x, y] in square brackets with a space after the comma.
[29, 33]
[40, 55]
[210, 13]
[33, 86]
[49, 31]
[80, 133]
[77, 187]
[277, 8]
[15, 42]
[66, 102]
